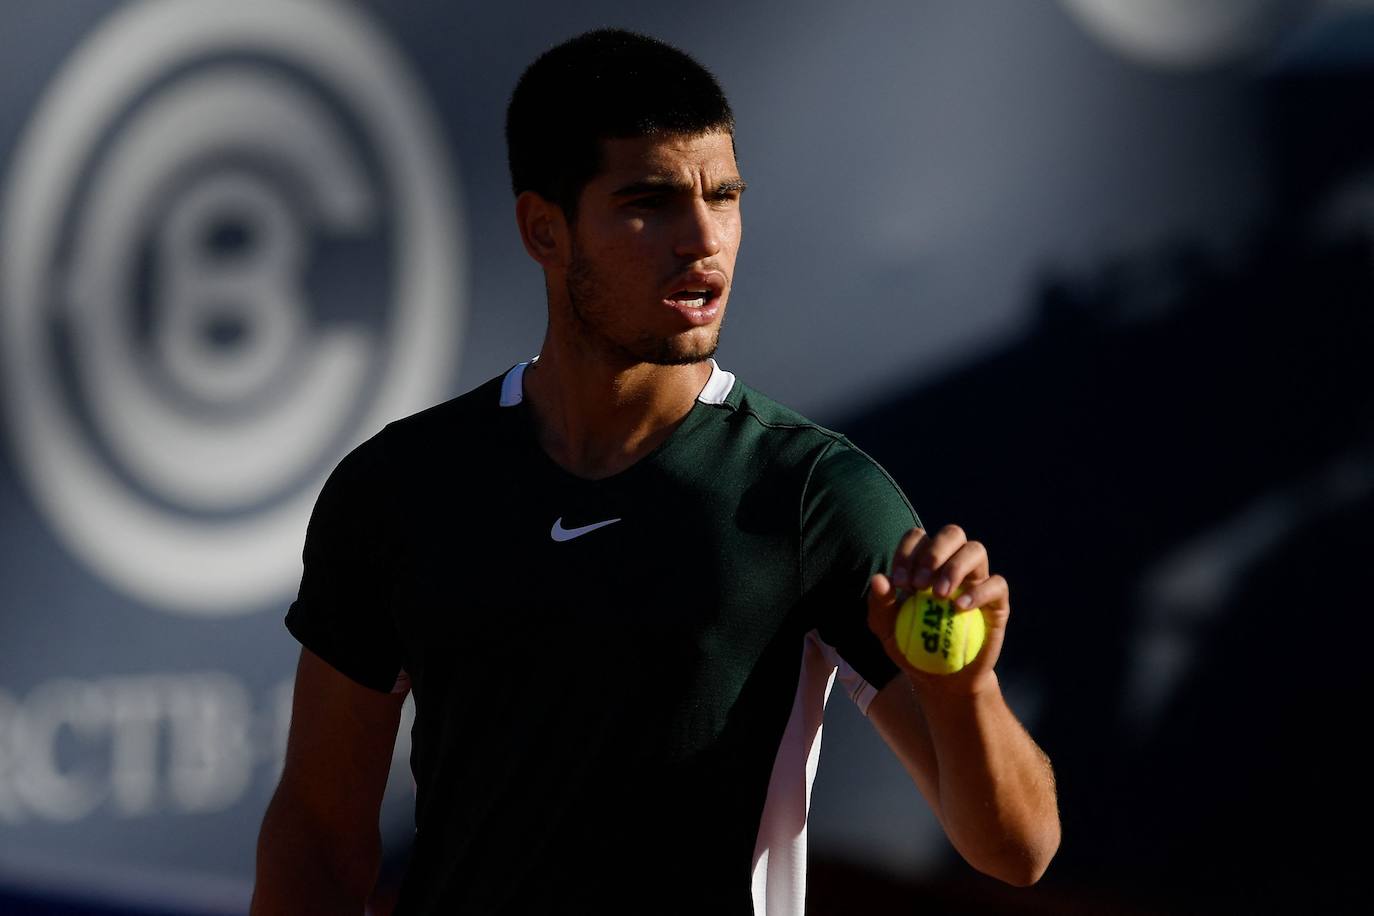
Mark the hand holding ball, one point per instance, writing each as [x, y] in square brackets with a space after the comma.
[936, 636]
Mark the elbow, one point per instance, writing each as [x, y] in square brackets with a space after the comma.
[1020, 858]
[1024, 862]
[1023, 872]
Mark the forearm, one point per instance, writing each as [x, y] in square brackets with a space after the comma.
[306, 867]
[995, 786]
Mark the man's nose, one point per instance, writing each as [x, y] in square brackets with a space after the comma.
[700, 234]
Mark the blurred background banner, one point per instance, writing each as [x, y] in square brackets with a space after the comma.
[1091, 278]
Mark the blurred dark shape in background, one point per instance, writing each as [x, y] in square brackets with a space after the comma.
[1162, 402]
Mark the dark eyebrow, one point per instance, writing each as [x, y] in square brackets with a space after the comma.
[659, 184]
[730, 186]
[653, 184]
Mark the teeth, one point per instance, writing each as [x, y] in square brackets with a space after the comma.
[693, 298]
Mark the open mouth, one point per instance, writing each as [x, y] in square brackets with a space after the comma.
[692, 298]
[696, 295]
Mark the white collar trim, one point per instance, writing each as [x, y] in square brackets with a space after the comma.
[513, 385]
[718, 386]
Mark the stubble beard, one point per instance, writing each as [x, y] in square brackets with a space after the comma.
[592, 321]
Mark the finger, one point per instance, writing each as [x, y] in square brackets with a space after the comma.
[902, 559]
[882, 612]
[935, 552]
[991, 594]
[882, 606]
[968, 562]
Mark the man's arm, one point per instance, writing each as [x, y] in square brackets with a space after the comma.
[989, 784]
[320, 847]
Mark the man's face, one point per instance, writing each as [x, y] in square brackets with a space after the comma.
[653, 248]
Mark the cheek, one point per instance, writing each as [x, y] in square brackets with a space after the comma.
[634, 240]
[731, 230]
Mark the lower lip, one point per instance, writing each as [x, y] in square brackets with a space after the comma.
[696, 314]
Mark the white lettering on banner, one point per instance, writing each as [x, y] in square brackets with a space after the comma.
[174, 396]
[143, 746]
[52, 791]
[135, 725]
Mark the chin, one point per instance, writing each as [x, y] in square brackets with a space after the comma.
[683, 352]
[684, 359]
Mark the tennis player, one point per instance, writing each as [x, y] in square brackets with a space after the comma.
[621, 583]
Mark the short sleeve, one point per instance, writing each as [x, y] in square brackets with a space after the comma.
[853, 516]
[342, 612]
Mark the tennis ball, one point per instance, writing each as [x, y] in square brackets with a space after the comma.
[937, 637]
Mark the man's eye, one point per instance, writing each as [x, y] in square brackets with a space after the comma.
[654, 202]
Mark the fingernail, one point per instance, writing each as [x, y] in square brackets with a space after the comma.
[922, 578]
[964, 601]
[942, 587]
[900, 577]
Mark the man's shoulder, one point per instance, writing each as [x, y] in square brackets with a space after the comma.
[833, 463]
[769, 414]
[781, 430]
[461, 417]
[433, 435]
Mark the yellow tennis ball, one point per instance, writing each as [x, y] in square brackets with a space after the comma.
[937, 637]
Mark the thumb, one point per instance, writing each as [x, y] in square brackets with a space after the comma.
[882, 606]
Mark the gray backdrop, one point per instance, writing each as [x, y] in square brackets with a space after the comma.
[237, 238]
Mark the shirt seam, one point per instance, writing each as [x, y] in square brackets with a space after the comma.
[816, 427]
[891, 482]
[804, 584]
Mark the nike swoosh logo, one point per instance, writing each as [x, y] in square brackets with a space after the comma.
[559, 533]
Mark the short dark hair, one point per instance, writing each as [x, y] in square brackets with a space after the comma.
[601, 85]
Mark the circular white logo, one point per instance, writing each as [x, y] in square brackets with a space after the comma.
[230, 251]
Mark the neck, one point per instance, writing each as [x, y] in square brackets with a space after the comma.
[596, 418]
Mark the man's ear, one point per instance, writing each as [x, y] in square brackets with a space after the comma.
[543, 229]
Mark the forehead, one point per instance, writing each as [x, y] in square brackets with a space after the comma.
[705, 157]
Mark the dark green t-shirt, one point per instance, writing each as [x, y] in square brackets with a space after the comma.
[618, 683]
